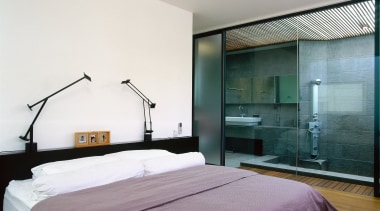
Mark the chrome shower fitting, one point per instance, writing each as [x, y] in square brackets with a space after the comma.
[316, 81]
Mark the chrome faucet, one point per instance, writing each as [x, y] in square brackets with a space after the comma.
[241, 108]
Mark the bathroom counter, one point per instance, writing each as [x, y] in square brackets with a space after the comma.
[272, 126]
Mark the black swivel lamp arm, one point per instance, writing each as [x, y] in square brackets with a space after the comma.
[147, 132]
[30, 147]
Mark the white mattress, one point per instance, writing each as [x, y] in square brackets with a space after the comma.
[18, 196]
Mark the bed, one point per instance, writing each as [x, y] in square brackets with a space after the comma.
[155, 180]
[163, 181]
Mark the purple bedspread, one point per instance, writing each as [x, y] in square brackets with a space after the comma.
[197, 188]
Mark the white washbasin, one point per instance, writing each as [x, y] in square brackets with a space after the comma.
[242, 121]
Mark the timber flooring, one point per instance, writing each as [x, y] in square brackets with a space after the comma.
[344, 196]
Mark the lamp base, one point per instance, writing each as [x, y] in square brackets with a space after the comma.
[147, 137]
[30, 148]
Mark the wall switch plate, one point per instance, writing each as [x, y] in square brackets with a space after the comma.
[180, 128]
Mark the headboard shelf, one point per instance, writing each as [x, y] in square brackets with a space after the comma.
[17, 165]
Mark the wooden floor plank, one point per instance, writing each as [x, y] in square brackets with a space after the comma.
[342, 186]
[316, 182]
[349, 188]
[368, 191]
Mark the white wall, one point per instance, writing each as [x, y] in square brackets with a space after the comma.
[48, 44]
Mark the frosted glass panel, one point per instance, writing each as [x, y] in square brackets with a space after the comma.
[207, 123]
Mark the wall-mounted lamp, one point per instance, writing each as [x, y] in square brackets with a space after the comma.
[32, 147]
[147, 132]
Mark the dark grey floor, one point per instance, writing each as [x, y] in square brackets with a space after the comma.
[234, 159]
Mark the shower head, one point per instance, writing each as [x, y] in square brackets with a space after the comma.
[316, 81]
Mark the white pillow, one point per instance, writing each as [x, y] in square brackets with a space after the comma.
[78, 163]
[91, 176]
[69, 165]
[140, 154]
[173, 162]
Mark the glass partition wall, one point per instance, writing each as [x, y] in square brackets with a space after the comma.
[208, 97]
[299, 93]
[377, 103]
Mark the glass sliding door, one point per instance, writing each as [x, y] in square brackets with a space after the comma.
[261, 83]
[208, 95]
[337, 100]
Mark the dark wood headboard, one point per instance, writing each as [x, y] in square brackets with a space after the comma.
[16, 166]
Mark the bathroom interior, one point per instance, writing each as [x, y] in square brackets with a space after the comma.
[299, 93]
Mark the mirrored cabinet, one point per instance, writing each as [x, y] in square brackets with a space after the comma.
[238, 91]
[286, 89]
[273, 89]
[263, 90]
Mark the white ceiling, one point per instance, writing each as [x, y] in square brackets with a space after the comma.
[216, 14]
